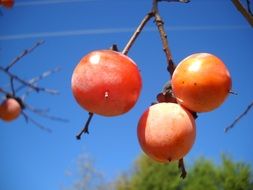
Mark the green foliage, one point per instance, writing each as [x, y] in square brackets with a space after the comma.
[203, 174]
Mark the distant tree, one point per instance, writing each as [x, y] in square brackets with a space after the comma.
[203, 174]
[86, 176]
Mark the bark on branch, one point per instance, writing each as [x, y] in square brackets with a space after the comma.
[247, 14]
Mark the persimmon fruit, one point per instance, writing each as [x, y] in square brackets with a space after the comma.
[10, 109]
[106, 82]
[166, 132]
[7, 3]
[201, 82]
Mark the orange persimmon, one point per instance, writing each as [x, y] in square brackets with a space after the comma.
[166, 132]
[106, 82]
[10, 109]
[201, 82]
[7, 3]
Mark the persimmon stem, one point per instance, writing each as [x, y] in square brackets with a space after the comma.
[86, 127]
[182, 168]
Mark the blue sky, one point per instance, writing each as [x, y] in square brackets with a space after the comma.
[34, 159]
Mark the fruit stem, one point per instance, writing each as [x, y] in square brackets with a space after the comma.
[182, 168]
[86, 127]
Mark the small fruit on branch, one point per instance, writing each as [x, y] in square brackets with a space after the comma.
[166, 132]
[201, 82]
[10, 109]
[106, 82]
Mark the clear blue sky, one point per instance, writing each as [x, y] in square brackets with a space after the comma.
[32, 159]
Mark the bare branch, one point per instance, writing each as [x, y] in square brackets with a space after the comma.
[12, 87]
[160, 25]
[29, 119]
[249, 7]
[137, 32]
[24, 53]
[42, 76]
[36, 88]
[43, 113]
[243, 11]
[36, 110]
[239, 117]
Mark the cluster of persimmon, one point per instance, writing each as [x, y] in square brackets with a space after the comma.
[7, 3]
[109, 83]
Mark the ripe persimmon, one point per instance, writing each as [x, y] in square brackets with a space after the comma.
[201, 82]
[10, 109]
[106, 82]
[7, 3]
[166, 132]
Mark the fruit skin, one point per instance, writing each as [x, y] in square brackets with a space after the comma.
[7, 3]
[10, 109]
[106, 82]
[201, 82]
[166, 132]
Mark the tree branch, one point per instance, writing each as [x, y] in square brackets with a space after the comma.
[36, 88]
[160, 25]
[137, 32]
[27, 118]
[43, 113]
[249, 7]
[247, 15]
[24, 53]
[239, 117]
[40, 77]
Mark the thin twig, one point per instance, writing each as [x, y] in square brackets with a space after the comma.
[249, 7]
[86, 127]
[43, 113]
[239, 117]
[36, 88]
[12, 86]
[182, 168]
[160, 25]
[27, 118]
[137, 32]
[24, 53]
[40, 77]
